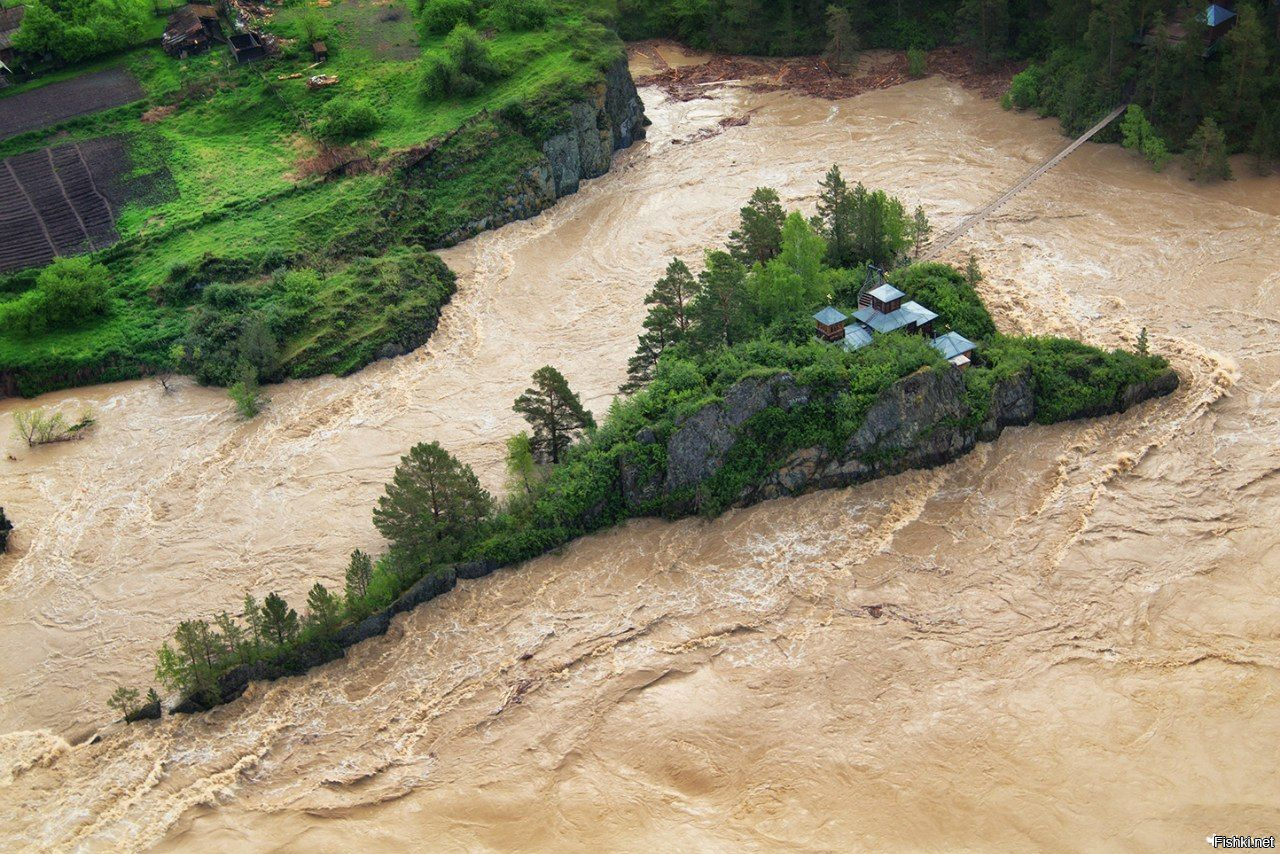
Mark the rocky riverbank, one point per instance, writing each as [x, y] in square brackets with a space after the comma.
[610, 120]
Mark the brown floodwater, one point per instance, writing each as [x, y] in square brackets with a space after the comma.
[1068, 639]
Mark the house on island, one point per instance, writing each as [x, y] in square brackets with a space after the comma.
[955, 348]
[192, 29]
[882, 309]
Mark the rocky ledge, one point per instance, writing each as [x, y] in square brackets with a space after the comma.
[610, 120]
[921, 421]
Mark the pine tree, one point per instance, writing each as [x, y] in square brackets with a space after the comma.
[921, 230]
[972, 274]
[721, 310]
[984, 26]
[433, 503]
[835, 214]
[1244, 68]
[359, 573]
[279, 621]
[191, 665]
[556, 414]
[666, 324]
[1143, 346]
[124, 700]
[1264, 146]
[1207, 153]
[759, 236]
[842, 41]
[324, 610]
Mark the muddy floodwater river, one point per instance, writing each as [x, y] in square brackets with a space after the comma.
[1069, 639]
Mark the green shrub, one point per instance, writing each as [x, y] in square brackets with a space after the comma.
[440, 16]
[1024, 90]
[346, 118]
[916, 63]
[461, 71]
[519, 15]
[69, 293]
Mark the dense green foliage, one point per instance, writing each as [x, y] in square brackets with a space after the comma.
[74, 30]
[68, 293]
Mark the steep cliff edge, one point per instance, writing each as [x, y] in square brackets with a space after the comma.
[923, 420]
[579, 146]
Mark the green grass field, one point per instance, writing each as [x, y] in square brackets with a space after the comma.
[225, 145]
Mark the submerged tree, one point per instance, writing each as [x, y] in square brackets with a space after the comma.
[124, 700]
[556, 414]
[324, 610]
[433, 503]
[192, 664]
[6, 528]
[279, 621]
[522, 468]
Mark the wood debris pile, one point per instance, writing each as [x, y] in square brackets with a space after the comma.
[812, 76]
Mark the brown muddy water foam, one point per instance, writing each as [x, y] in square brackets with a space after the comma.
[1067, 639]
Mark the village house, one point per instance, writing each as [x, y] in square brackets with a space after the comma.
[247, 47]
[192, 29]
[10, 20]
[882, 309]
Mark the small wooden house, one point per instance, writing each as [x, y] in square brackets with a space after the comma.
[192, 29]
[320, 51]
[831, 323]
[955, 348]
[247, 47]
[10, 21]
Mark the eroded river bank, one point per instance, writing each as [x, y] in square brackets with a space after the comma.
[1070, 634]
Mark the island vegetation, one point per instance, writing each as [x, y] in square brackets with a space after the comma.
[732, 349]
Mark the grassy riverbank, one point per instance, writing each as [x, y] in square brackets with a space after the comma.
[230, 182]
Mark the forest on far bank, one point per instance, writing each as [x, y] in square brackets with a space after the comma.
[1084, 56]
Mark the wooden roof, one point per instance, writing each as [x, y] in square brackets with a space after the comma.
[10, 20]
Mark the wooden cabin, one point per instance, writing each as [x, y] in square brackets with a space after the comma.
[320, 51]
[1220, 17]
[10, 21]
[885, 299]
[955, 348]
[192, 29]
[831, 322]
[247, 47]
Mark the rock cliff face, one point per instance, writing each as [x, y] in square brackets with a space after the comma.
[611, 120]
[921, 421]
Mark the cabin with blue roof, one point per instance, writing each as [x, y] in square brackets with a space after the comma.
[831, 323]
[882, 309]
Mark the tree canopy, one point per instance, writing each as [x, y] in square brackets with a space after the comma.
[432, 503]
[556, 414]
